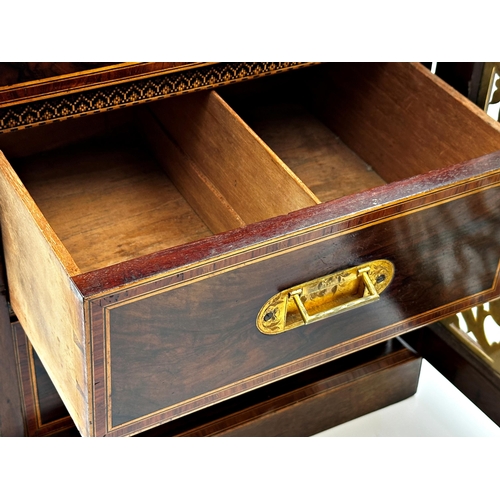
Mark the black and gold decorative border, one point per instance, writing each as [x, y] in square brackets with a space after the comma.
[127, 94]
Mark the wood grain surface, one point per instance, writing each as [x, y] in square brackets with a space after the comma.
[12, 73]
[198, 341]
[11, 412]
[285, 232]
[400, 118]
[43, 296]
[253, 180]
[172, 330]
[34, 141]
[108, 201]
[32, 104]
[326, 403]
[196, 188]
[312, 401]
[312, 151]
[44, 411]
[301, 405]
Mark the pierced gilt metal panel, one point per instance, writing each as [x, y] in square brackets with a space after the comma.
[489, 89]
[479, 328]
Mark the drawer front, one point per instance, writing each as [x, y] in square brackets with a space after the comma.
[166, 348]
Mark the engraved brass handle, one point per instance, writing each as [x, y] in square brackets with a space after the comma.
[325, 297]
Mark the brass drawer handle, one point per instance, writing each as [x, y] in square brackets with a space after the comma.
[325, 297]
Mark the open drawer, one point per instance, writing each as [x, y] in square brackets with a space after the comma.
[165, 257]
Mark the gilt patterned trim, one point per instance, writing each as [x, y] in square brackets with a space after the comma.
[127, 94]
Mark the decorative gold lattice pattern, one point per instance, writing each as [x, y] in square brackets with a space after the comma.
[479, 327]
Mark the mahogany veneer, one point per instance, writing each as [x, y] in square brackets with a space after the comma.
[301, 405]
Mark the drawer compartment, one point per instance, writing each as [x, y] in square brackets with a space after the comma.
[142, 305]
[132, 185]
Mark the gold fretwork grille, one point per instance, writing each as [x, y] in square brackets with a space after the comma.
[479, 328]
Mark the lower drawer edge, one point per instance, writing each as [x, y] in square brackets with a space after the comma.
[301, 405]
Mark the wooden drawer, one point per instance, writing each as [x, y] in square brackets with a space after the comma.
[142, 298]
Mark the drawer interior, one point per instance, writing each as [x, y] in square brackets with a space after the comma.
[106, 198]
[116, 186]
[120, 185]
[281, 115]
[344, 128]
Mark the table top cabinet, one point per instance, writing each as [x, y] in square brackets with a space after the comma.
[178, 235]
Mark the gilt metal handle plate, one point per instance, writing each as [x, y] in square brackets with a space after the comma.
[325, 297]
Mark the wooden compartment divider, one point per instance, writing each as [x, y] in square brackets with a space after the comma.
[246, 172]
[107, 201]
[311, 150]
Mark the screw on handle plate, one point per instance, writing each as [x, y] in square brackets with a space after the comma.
[325, 297]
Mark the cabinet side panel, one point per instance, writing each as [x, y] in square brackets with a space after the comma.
[11, 414]
[44, 297]
[45, 413]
